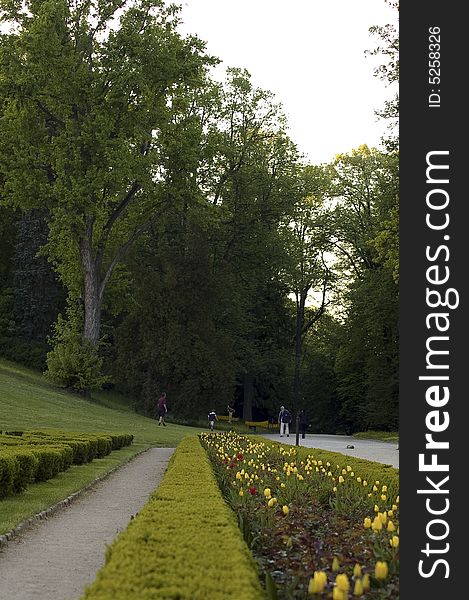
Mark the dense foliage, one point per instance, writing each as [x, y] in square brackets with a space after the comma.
[160, 232]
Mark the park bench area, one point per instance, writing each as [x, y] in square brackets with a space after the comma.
[261, 424]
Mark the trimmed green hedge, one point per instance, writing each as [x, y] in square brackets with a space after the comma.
[185, 543]
[31, 456]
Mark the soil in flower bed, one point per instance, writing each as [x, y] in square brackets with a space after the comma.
[307, 540]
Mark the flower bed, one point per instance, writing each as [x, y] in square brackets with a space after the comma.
[318, 522]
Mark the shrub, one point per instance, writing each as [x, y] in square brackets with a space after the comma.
[74, 363]
[184, 544]
[28, 464]
[38, 455]
[9, 468]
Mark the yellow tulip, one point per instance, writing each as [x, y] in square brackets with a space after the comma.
[341, 479]
[342, 582]
[267, 492]
[366, 581]
[282, 485]
[390, 513]
[285, 509]
[375, 489]
[358, 588]
[383, 497]
[338, 594]
[383, 516]
[384, 488]
[377, 524]
[376, 509]
[357, 570]
[367, 523]
[241, 493]
[365, 482]
[391, 526]
[394, 541]
[381, 570]
[272, 502]
[334, 489]
[335, 564]
[394, 507]
[317, 582]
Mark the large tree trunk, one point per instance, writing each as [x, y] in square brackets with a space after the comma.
[91, 290]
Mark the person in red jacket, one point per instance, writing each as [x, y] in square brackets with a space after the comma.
[161, 409]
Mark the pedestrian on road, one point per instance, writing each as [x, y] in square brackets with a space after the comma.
[284, 420]
[212, 417]
[161, 409]
[303, 418]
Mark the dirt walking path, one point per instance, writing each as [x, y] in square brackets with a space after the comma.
[57, 557]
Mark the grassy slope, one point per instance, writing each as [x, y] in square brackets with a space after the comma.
[384, 436]
[27, 401]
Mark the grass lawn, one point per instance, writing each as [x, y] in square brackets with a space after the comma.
[384, 436]
[27, 401]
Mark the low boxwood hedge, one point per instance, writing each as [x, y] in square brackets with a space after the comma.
[185, 543]
[21, 465]
[31, 456]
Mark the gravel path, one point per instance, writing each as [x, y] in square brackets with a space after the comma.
[57, 557]
[384, 452]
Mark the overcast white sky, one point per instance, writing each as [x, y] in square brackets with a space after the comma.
[310, 54]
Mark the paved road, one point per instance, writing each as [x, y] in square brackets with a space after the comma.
[384, 452]
[57, 557]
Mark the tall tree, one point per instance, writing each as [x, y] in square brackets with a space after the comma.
[307, 274]
[93, 90]
[365, 190]
[388, 71]
[249, 193]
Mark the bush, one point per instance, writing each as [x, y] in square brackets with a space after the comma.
[184, 544]
[74, 363]
[9, 468]
[40, 455]
[50, 461]
[28, 464]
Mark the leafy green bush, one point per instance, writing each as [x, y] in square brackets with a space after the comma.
[74, 363]
[28, 464]
[32, 456]
[9, 468]
[184, 544]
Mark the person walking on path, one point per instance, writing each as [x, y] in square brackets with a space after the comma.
[230, 410]
[162, 409]
[212, 417]
[303, 422]
[284, 420]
